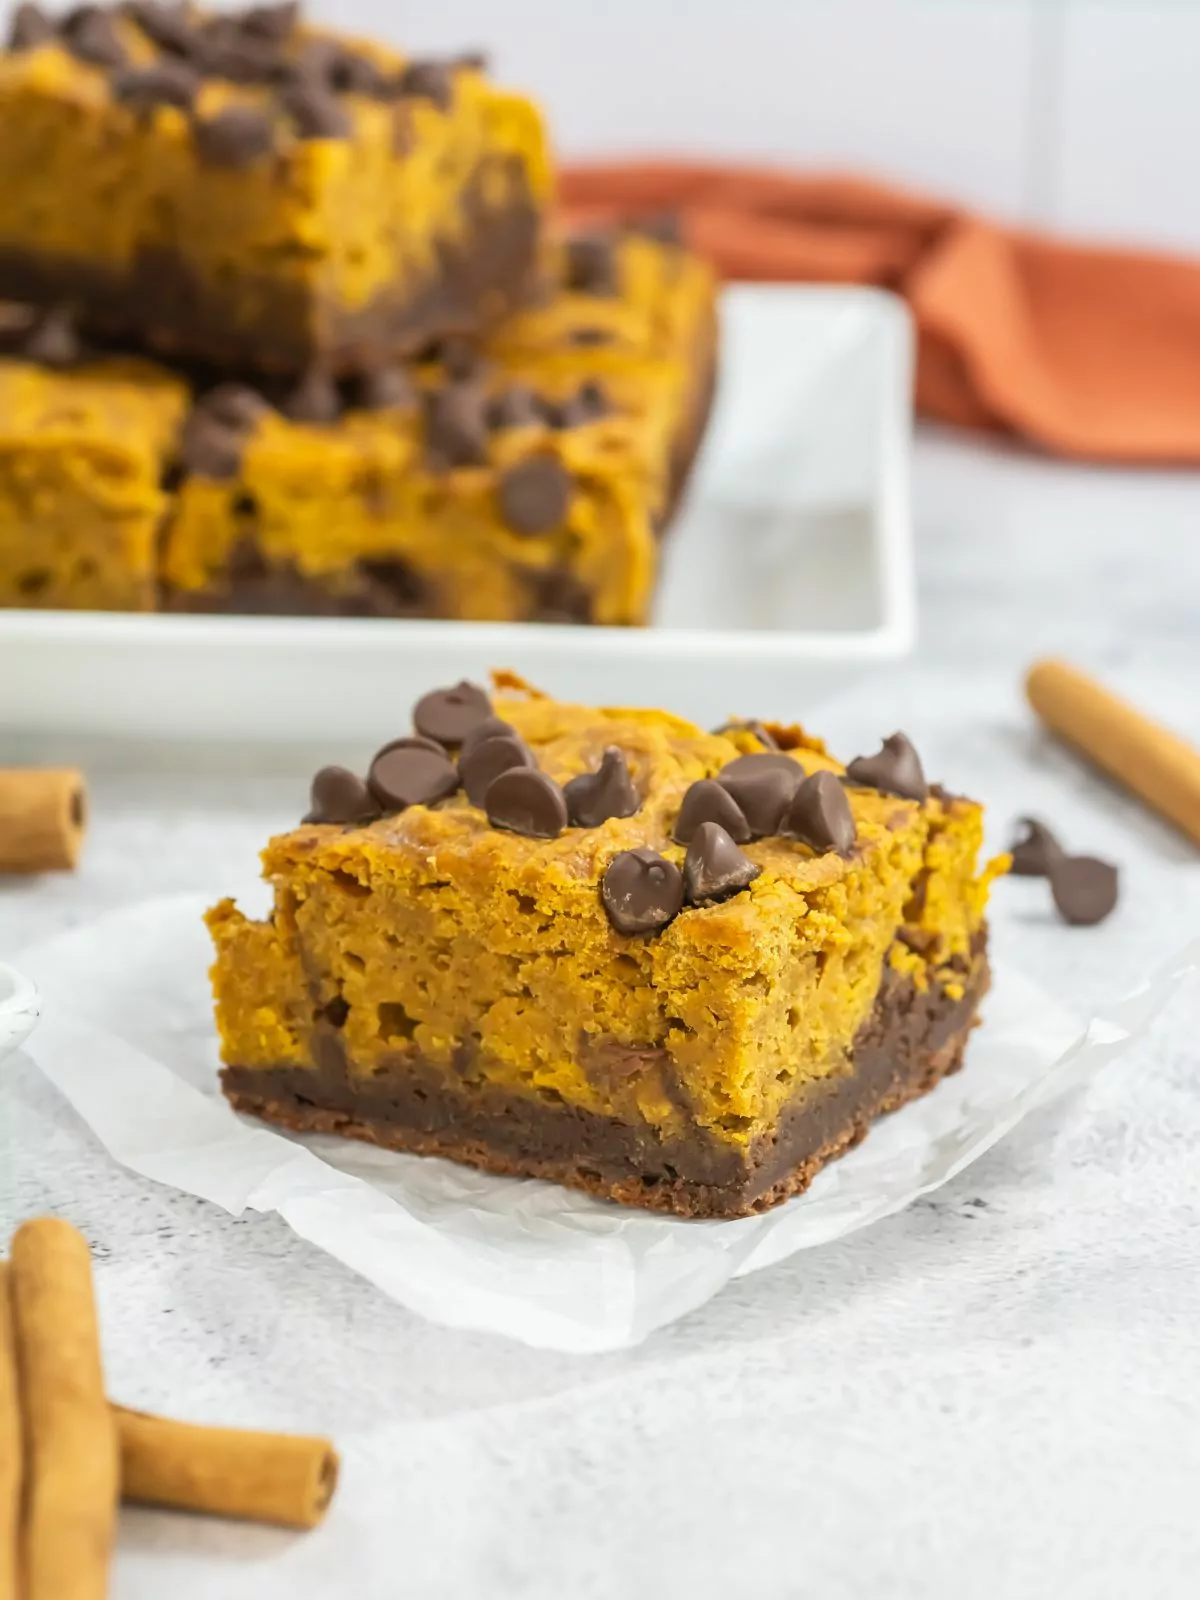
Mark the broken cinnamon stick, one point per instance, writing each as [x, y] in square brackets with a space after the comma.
[227, 1472]
[11, 1454]
[43, 814]
[70, 1437]
[1158, 766]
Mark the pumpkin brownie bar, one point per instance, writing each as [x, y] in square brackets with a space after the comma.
[243, 189]
[530, 480]
[82, 456]
[677, 969]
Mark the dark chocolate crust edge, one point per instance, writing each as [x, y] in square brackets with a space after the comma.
[912, 1040]
[162, 306]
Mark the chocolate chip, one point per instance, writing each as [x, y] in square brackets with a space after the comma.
[271, 22]
[1084, 889]
[591, 264]
[52, 340]
[749, 725]
[456, 424]
[471, 61]
[209, 448]
[526, 801]
[893, 769]
[516, 407]
[314, 111]
[349, 73]
[714, 867]
[535, 494]
[235, 137]
[385, 387]
[489, 728]
[642, 891]
[484, 762]
[763, 786]
[30, 27]
[820, 815]
[235, 405]
[314, 399]
[339, 795]
[588, 404]
[1034, 855]
[223, 49]
[707, 801]
[664, 227]
[169, 27]
[168, 83]
[411, 772]
[594, 797]
[557, 595]
[92, 36]
[427, 80]
[461, 358]
[449, 715]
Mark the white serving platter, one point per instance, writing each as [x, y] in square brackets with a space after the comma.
[789, 572]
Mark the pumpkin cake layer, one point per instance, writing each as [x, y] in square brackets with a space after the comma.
[561, 964]
[249, 191]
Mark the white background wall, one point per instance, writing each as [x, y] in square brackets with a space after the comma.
[1079, 114]
[1083, 114]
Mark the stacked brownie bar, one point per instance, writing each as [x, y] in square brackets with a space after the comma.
[288, 331]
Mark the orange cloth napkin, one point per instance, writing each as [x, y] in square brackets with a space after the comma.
[1085, 352]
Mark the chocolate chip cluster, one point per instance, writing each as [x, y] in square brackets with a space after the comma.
[459, 743]
[752, 797]
[260, 45]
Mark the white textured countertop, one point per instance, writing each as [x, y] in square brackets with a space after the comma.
[994, 1394]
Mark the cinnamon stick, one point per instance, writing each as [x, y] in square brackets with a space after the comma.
[228, 1472]
[43, 814]
[1158, 766]
[71, 1438]
[11, 1455]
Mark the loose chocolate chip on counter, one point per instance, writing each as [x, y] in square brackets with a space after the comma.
[820, 815]
[91, 35]
[749, 725]
[594, 797]
[1035, 855]
[276, 22]
[52, 340]
[167, 83]
[516, 407]
[314, 399]
[456, 428]
[235, 405]
[714, 867]
[707, 801]
[763, 786]
[642, 891]
[411, 772]
[236, 137]
[893, 769]
[535, 494]
[339, 795]
[314, 111]
[1084, 889]
[450, 715]
[526, 801]
[479, 766]
[489, 728]
[210, 448]
[30, 27]
[427, 80]
[385, 387]
[591, 264]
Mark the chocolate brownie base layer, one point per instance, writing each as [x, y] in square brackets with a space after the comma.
[912, 1040]
[162, 306]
